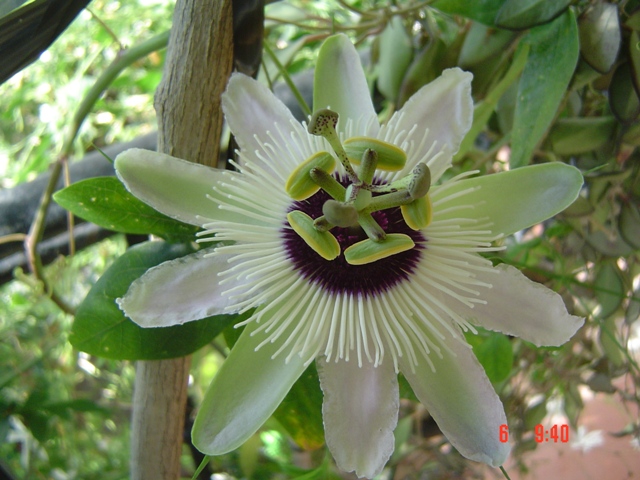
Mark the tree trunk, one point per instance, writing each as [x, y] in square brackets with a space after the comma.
[199, 62]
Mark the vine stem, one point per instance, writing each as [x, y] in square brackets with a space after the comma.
[504, 472]
[122, 61]
[287, 78]
[13, 237]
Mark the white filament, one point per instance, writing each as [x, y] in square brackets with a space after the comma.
[408, 320]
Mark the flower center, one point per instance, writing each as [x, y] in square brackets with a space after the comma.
[352, 203]
[340, 276]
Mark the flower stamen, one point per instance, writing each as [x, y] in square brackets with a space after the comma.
[322, 242]
[352, 206]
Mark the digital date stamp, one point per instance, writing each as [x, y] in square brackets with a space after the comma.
[555, 433]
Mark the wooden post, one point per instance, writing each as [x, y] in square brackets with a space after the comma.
[187, 102]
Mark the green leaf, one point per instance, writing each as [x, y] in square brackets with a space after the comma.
[611, 346]
[8, 5]
[583, 76]
[535, 414]
[631, 135]
[572, 136]
[634, 57]
[609, 289]
[323, 472]
[248, 455]
[39, 424]
[395, 57]
[599, 185]
[633, 21]
[580, 208]
[484, 109]
[482, 43]
[494, 353]
[601, 382]
[405, 389]
[633, 310]
[483, 11]
[521, 14]
[629, 224]
[610, 244]
[552, 60]
[623, 97]
[285, 57]
[573, 404]
[63, 409]
[600, 36]
[100, 328]
[106, 202]
[426, 66]
[506, 108]
[300, 413]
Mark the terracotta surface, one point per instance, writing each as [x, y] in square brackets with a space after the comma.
[591, 453]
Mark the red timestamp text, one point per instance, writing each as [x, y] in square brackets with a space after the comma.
[555, 433]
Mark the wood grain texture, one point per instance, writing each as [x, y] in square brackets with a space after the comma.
[187, 102]
[199, 62]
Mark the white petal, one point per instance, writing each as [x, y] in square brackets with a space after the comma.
[172, 186]
[178, 291]
[251, 110]
[180, 189]
[340, 84]
[518, 306]
[513, 200]
[445, 107]
[244, 393]
[360, 412]
[462, 401]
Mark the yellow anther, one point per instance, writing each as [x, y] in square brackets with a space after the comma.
[300, 185]
[417, 214]
[323, 243]
[390, 157]
[368, 251]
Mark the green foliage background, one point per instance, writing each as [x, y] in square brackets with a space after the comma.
[554, 81]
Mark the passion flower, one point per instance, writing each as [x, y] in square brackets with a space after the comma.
[343, 241]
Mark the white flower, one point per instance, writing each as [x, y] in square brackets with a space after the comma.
[389, 308]
[587, 440]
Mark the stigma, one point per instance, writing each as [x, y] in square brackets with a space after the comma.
[354, 202]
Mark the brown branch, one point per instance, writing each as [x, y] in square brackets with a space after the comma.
[13, 237]
[35, 235]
